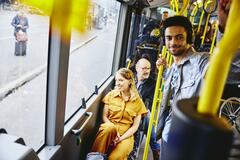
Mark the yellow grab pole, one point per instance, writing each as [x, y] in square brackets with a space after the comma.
[159, 76]
[155, 122]
[129, 63]
[176, 6]
[200, 21]
[220, 63]
[193, 13]
[205, 29]
[205, 6]
[214, 39]
[158, 103]
[184, 7]
[168, 56]
[173, 6]
[171, 59]
[169, 62]
[185, 13]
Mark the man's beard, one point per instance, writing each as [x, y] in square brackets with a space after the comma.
[144, 77]
[179, 51]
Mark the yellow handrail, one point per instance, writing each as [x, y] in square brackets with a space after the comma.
[202, 14]
[214, 39]
[170, 58]
[193, 13]
[129, 63]
[200, 21]
[176, 6]
[156, 95]
[158, 104]
[172, 6]
[184, 7]
[169, 62]
[220, 63]
[205, 29]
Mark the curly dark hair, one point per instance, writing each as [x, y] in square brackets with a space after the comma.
[179, 21]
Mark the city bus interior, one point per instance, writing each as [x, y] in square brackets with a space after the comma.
[71, 138]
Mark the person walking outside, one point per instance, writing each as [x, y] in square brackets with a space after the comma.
[20, 24]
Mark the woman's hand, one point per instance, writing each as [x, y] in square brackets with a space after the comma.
[117, 139]
[130, 131]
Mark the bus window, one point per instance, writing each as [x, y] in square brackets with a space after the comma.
[91, 54]
[24, 47]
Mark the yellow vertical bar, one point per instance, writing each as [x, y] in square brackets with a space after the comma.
[220, 63]
[214, 39]
[176, 6]
[193, 13]
[169, 62]
[129, 63]
[205, 29]
[159, 76]
[185, 13]
[158, 103]
[184, 8]
[172, 6]
[200, 21]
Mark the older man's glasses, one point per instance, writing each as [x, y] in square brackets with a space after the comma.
[145, 68]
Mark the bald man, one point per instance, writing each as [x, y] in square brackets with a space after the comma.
[146, 86]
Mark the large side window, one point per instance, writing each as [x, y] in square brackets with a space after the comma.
[91, 54]
[24, 46]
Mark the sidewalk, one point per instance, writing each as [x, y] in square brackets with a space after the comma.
[76, 43]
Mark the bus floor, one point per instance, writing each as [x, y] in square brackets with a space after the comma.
[141, 151]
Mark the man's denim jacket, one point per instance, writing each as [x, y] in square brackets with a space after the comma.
[188, 75]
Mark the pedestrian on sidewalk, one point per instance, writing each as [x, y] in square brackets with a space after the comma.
[20, 24]
[3, 4]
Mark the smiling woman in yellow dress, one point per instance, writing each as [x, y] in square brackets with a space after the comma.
[122, 113]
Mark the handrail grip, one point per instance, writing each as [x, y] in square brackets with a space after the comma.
[77, 132]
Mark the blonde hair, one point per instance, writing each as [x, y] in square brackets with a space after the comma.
[128, 74]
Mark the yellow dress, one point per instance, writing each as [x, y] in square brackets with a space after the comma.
[121, 114]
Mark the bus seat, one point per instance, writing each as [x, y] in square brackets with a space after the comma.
[12, 148]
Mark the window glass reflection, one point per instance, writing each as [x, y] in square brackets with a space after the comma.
[24, 46]
[91, 56]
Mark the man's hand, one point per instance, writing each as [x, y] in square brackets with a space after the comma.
[223, 10]
[161, 61]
